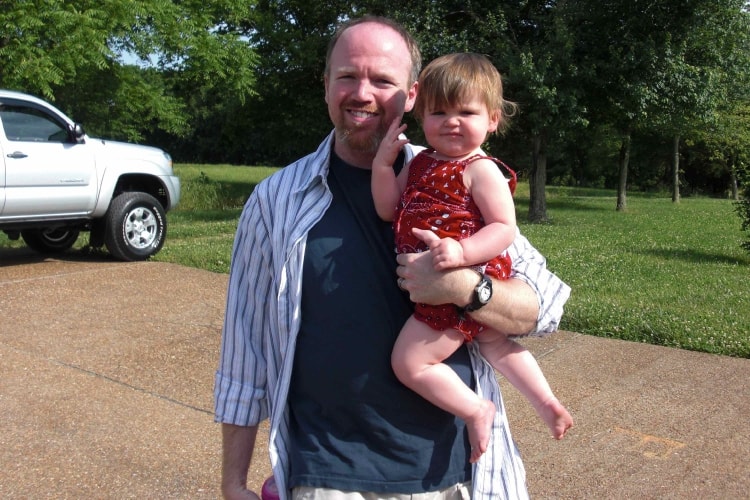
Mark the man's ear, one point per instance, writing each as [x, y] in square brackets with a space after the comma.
[411, 96]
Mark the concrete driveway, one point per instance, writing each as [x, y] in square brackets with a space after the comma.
[106, 381]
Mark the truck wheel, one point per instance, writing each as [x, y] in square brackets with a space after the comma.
[56, 240]
[136, 226]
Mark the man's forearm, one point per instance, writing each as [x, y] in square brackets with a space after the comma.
[513, 309]
[238, 443]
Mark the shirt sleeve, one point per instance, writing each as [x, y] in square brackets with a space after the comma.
[240, 390]
[552, 293]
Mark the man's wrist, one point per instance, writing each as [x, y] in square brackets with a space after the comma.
[480, 292]
[464, 289]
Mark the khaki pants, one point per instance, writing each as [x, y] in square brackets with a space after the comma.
[455, 492]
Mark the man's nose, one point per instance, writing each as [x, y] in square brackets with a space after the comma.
[363, 90]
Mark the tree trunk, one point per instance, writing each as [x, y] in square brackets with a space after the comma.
[676, 168]
[623, 178]
[538, 181]
[735, 188]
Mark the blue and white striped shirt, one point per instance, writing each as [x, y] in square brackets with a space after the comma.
[263, 318]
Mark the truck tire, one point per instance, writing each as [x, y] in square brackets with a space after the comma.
[56, 240]
[136, 226]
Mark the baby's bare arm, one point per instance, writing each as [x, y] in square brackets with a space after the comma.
[386, 189]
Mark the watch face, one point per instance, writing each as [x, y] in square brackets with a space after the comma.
[484, 293]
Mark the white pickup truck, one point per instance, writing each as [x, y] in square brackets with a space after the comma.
[55, 181]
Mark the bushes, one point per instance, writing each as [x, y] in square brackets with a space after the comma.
[743, 205]
[201, 193]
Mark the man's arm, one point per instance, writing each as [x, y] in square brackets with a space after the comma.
[238, 444]
[513, 310]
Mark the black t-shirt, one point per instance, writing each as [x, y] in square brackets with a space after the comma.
[354, 426]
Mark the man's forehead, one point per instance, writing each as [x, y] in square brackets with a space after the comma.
[386, 55]
[374, 36]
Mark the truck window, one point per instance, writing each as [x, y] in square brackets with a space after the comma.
[31, 125]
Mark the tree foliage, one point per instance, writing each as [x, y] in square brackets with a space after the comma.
[743, 204]
[630, 95]
[71, 52]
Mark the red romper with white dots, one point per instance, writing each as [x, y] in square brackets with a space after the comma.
[436, 199]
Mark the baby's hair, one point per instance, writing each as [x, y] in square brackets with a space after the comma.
[454, 78]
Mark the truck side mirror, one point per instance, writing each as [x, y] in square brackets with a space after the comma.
[78, 133]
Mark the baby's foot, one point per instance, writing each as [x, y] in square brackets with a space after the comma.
[556, 417]
[479, 426]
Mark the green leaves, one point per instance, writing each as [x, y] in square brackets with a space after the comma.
[240, 80]
[45, 43]
[70, 51]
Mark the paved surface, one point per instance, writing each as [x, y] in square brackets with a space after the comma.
[106, 379]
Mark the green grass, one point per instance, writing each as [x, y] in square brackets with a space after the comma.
[201, 229]
[662, 273]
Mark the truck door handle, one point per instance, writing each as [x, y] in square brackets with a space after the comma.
[17, 154]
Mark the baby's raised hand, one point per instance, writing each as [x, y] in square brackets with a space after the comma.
[390, 145]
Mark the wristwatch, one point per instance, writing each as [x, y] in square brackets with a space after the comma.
[482, 294]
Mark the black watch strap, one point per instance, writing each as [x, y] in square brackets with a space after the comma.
[481, 295]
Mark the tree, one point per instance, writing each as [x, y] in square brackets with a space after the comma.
[530, 44]
[70, 51]
[616, 45]
[620, 46]
[702, 65]
[44, 44]
[742, 205]
[541, 78]
[287, 118]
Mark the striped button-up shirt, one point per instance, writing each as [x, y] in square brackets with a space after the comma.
[263, 318]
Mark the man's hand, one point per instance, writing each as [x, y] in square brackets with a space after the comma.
[428, 285]
[240, 494]
[514, 307]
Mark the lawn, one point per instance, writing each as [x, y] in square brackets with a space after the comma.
[663, 273]
[659, 272]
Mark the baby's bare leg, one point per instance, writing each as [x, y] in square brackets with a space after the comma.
[519, 366]
[417, 361]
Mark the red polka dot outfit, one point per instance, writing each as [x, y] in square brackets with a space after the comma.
[436, 199]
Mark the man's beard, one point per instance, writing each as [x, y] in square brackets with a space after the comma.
[358, 142]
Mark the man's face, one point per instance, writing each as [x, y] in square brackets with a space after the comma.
[367, 88]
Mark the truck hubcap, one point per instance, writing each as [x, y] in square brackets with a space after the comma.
[140, 228]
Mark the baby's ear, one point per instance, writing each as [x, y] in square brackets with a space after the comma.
[495, 117]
